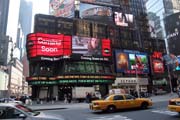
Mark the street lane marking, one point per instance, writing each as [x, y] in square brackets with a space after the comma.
[166, 112]
[115, 117]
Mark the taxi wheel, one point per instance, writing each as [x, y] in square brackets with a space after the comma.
[144, 105]
[111, 108]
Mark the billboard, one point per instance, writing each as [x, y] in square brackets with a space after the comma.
[122, 19]
[95, 12]
[158, 66]
[157, 63]
[131, 62]
[102, 2]
[178, 64]
[62, 8]
[48, 45]
[91, 46]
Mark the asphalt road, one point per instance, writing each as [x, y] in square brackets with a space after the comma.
[157, 112]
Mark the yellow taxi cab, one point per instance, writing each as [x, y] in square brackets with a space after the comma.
[174, 105]
[119, 101]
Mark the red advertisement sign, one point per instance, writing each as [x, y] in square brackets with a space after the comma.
[157, 62]
[106, 47]
[40, 44]
[158, 66]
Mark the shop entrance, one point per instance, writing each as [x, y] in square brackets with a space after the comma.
[64, 90]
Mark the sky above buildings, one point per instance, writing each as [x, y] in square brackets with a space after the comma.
[40, 6]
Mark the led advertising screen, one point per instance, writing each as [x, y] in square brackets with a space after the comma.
[48, 45]
[122, 61]
[122, 19]
[62, 8]
[95, 12]
[178, 64]
[157, 62]
[129, 62]
[91, 46]
[158, 66]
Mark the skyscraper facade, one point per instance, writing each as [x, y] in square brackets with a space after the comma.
[4, 8]
[24, 25]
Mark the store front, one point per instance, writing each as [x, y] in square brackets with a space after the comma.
[128, 83]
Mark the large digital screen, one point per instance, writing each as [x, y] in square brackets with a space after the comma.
[95, 12]
[48, 45]
[157, 62]
[91, 46]
[129, 62]
[123, 19]
[158, 66]
[178, 64]
[62, 8]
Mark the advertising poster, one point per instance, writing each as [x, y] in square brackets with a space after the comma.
[122, 63]
[138, 62]
[178, 64]
[158, 66]
[122, 19]
[129, 62]
[62, 8]
[86, 46]
[99, 13]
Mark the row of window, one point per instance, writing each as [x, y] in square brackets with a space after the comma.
[58, 68]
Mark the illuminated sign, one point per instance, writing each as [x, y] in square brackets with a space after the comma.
[48, 45]
[95, 12]
[91, 46]
[103, 2]
[62, 8]
[157, 62]
[178, 63]
[71, 77]
[131, 62]
[85, 81]
[122, 19]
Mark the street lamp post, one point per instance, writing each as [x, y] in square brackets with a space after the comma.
[169, 77]
[10, 70]
[137, 85]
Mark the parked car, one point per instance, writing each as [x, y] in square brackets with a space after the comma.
[174, 105]
[17, 111]
[120, 101]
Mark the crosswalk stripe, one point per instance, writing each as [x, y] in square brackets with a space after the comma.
[115, 117]
[167, 112]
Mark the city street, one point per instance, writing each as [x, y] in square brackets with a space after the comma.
[80, 111]
[157, 112]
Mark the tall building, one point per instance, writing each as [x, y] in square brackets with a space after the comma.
[13, 18]
[4, 8]
[24, 25]
[161, 9]
[156, 13]
[57, 68]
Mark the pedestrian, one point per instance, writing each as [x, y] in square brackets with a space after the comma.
[65, 98]
[178, 92]
[69, 97]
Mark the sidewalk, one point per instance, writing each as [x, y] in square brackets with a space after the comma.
[62, 105]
